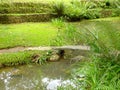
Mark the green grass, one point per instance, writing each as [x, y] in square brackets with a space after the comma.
[35, 1]
[26, 34]
[69, 34]
[18, 58]
[107, 19]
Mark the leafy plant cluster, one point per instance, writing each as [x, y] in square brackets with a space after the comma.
[43, 59]
[109, 4]
[78, 10]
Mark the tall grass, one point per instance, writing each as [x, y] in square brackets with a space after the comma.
[102, 70]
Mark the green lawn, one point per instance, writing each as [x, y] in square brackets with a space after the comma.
[26, 34]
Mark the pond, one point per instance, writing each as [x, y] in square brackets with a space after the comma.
[39, 77]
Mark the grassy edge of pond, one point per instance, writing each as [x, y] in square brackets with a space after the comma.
[19, 58]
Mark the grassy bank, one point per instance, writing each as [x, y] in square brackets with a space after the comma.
[18, 58]
[70, 32]
[107, 19]
[26, 34]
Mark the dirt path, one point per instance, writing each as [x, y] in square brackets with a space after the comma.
[17, 49]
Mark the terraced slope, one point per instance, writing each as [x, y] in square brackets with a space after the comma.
[18, 11]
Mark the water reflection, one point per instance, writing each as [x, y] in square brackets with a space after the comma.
[23, 83]
[52, 84]
[35, 77]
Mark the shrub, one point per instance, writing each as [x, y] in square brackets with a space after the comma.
[77, 10]
[58, 7]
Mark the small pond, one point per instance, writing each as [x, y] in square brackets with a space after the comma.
[37, 77]
[32, 77]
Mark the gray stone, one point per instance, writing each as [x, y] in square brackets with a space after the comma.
[77, 59]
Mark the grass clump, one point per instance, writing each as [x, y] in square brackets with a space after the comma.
[18, 58]
[24, 57]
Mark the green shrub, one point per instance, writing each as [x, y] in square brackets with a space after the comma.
[92, 14]
[77, 10]
[108, 4]
[58, 7]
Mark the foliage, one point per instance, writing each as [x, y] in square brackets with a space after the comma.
[58, 22]
[77, 10]
[58, 7]
[102, 71]
[108, 4]
[18, 58]
[66, 35]
[43, 59]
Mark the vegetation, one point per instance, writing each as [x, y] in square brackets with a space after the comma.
[26, 34]
[24, 57]
[37, 1]
[78, 10]
[17, 11]
[102, 70]
[18, 58]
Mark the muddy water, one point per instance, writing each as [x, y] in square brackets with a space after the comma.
[36, 77]
[39, 77]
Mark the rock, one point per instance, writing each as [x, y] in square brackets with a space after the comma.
[54, 58]
[56, 55]
[16, 73]
[77, 59]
